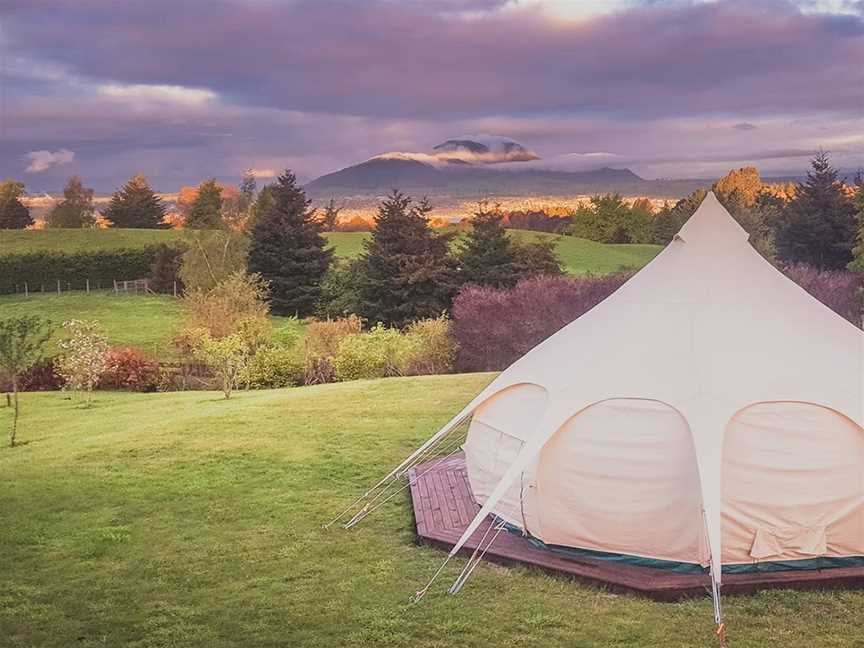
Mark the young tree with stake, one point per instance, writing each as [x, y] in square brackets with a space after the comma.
[22, 342]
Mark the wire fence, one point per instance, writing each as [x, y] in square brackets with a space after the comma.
[117, 286]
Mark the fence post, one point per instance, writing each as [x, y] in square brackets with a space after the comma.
[115, 286]
[58, 286]
[88, 286]
[175, 290]
[26, 290]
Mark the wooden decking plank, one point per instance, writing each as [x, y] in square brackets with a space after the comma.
[444, 507]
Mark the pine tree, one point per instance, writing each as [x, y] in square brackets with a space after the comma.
[817, 226]
[76, 209]
[407, 271]
[206, 210]
[330, 217]
[165, 268]
[136, 205]
[486, 254]
[288, 251]
[14, 214]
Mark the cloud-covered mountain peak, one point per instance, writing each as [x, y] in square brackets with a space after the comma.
[468, 149]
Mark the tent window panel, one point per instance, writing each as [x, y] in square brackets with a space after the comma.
[792, 484]
[621, 476]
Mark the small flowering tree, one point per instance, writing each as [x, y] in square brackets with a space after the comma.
[84, 355]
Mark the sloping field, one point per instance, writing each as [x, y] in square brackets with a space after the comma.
[183, 519]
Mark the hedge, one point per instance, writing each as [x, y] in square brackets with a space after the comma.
[42, 270]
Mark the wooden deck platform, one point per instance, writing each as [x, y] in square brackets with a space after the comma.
[444, 507]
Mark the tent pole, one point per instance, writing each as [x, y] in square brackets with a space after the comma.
[715, 589]
[398, 470]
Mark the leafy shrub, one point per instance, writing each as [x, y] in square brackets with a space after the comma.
[226, 356]
[493, 328]
[839, 290]
[73, 269]
[429, 348]
[321, 345]
[274, 366]
[236, 305]
[128, 368]
[376, 354]
[42, 376]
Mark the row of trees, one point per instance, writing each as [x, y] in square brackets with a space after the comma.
[407, 270]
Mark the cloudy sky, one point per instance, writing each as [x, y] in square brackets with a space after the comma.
[185, 89]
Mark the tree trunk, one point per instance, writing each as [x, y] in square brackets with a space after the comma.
[15, 412]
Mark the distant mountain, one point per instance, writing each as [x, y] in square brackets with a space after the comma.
[491, 165]
[380, 175]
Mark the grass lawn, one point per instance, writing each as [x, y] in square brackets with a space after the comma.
[182, 519]
[144, 321]
[579, 256]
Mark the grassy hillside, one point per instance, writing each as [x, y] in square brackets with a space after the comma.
[578, 255]
[75, 240]
[147, 322]
[182, 519]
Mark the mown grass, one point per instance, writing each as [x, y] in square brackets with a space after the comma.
[182, 519]
[148, 322]
[578, 256]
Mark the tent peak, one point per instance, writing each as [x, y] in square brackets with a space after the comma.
[711, 222]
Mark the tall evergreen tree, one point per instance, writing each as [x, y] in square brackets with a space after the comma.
[136, 205]
[858, 262]
[14, 214]
[407, 271]
[288, 251]
[817, 226]
[330, 217]
[76, 209]
[486, 254]
[206, 210]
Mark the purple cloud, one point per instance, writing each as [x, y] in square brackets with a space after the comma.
[323, 83]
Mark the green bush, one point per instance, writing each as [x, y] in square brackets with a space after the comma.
[376, 354]
[428, 348]
[274, 366]
[42, 270]
[321, 345]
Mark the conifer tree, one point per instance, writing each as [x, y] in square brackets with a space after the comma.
[287, 249]
[858, 262]
[486, 254]
[136, 205]
[14, 214]
[206, 210]
[407, 271]
[817, 226]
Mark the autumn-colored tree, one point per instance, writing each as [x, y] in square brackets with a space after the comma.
[76, 209]
[745, 182]
[14, 214]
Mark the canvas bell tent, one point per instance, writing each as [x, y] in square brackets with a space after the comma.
[707, 416]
